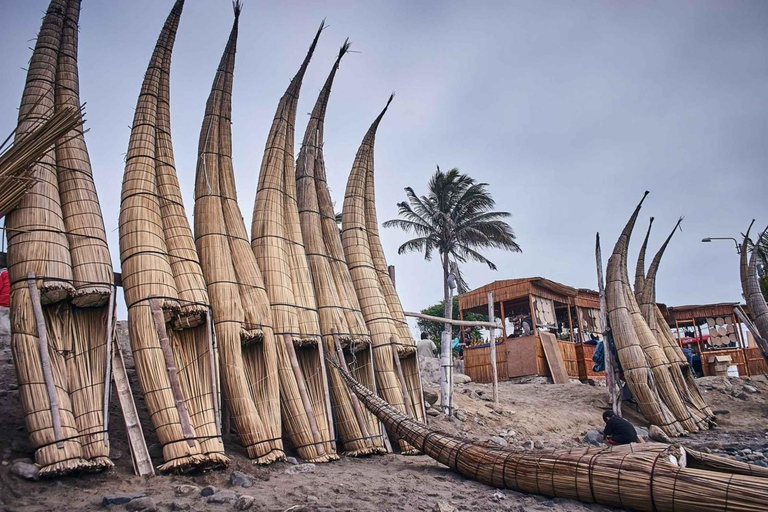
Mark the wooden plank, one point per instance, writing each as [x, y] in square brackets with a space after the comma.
[45, 358]
[142, 464]
[554, 358]
[521, 356]
[401, 378]
[111, 320]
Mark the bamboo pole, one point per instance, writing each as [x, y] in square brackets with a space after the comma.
[442, 320]
[611, 382]
[399, 370]
[353, 397]
[288, 341]
[45, 358]
[494, 371]
[173, 376]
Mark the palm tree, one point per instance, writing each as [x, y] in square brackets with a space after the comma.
[457, 219]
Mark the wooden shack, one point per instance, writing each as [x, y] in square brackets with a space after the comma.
[710, 330]
[547, 306]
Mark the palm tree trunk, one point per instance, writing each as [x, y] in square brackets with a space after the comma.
[446, 363]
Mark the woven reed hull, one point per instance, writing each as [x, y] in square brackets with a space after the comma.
[91, 262]
[373, 302]
[755, 299]
[37, 241]
[635, 477]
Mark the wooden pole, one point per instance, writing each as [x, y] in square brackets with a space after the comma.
[353, 397]
[442, 320]
[399, 370]
[45, 358]
[326, 390]
[494, 370]
[288, 340]
[534, 328]
[173, 376]
[108, 372]
[391, 272]
[503, 321]
[142, 464]
[612, 385]
[570, 323]
[212, 368]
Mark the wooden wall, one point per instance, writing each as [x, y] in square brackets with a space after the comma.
[477, 362]
[585, 353]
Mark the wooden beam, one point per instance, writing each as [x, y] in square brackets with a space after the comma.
[288, 341]
[494, 371]
[142, 464]
[111, 319]
[442, 320]
[45, 358]
[503, 321]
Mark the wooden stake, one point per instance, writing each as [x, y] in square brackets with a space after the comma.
[108, 373]
[173, 377]
[214, 374]
[353, 397]
[401, 378]
[288, 340]
[494, 371]
[142, 464]
[45, 358]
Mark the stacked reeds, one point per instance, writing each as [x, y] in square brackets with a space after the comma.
[17, 156]
[239, 302]
[394, 360]
[276, 240]
[647, 477]
[58, 260]
[341, 322]
[679, 368]
[163, 281]
[633, 337]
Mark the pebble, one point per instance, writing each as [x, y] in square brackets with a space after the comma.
[750, 389]
[240, 479]
[25, 470]
[300, 468]
[119, 500]
[209, 491]
[538, 445]
[444, 506]
[178, 505]
[244, 502]
[460, 414]
[222, 497]
[312, 499]
[433, 412]
[460, 378]
[499, 441]
[293, 461]
[144, 504]
[186, 490]
[528, 445]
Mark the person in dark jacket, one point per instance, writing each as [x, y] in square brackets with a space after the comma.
[618, 430]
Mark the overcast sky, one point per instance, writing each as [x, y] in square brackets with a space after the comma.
[569, 110]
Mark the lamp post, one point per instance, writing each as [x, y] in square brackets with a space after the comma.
[709, 239]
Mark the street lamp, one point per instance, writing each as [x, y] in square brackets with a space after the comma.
[709, 239]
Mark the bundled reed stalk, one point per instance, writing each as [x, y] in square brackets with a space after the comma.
[163, 281]
[238, 297]
[649, 477]
[755, 300]
[365, 278]
[57, 248]
[679, 369]
[622, 309]
[277, 243]
[341, 320]
[17, 157]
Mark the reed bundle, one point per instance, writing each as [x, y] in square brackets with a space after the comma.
[163, 282]
[649, 477]
[623, 315]
[241, 315]
[58, 251]
[753, 294]
[358, 252]
[277, 242]
[341, 321]
[17, 157]
[679, 369]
